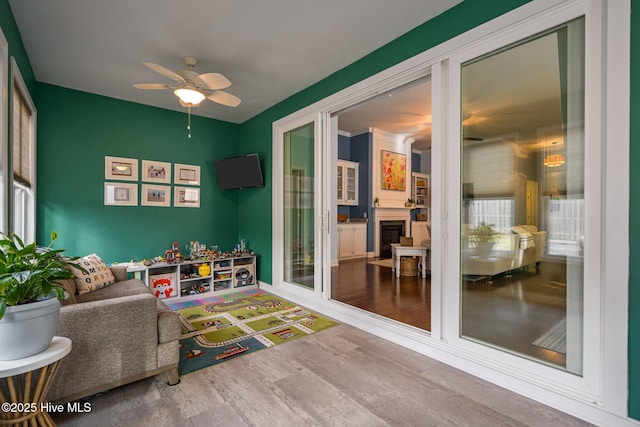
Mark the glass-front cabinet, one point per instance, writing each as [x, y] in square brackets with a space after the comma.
[347, 183]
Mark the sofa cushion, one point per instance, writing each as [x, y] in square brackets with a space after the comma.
[118, 289]
[530, 228]
[98, 274]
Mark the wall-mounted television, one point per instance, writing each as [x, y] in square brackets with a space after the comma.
[239, 172]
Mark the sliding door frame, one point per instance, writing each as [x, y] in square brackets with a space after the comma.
[602, 393]
[319, 220]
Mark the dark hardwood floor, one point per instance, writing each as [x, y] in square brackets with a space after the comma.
[509, 312]
[374, 288]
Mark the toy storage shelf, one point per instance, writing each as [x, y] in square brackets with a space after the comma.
[182, 280]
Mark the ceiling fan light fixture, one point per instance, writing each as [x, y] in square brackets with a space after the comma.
[189, 95]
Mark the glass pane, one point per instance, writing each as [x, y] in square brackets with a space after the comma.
[299, 210]
[522, 218]
[351, 184]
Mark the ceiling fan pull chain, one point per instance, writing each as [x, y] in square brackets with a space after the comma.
[189, 120]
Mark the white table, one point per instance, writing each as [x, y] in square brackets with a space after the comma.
[137, 269]
[27, 382]
[398, 251]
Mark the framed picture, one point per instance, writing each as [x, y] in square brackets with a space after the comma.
[186, 197]
[156, 195]
[153, 171]
[394, 171]
[120, 194]
[186, 174]
[120, 168]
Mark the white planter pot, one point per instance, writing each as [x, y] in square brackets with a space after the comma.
[484, 249]
[28, 329]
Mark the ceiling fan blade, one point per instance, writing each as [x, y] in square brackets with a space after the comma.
[215, 80]
[150, 86]
[224, 98]
[165, 72]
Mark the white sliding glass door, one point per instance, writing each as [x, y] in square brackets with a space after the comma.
[298, 223]
[523, 217]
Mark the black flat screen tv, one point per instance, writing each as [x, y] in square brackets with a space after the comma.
[239, 172]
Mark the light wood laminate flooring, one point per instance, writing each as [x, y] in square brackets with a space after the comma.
[338, 377]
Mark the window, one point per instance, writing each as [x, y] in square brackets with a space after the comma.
[23, 160]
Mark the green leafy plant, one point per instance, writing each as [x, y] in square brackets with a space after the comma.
[28, 272]
[482, 232]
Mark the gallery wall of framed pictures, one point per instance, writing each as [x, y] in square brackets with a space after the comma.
[122, 178]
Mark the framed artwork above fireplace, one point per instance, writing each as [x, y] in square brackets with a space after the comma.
[394, 171]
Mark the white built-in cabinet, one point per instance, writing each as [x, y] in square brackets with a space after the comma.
[347, 183]
[352, 240]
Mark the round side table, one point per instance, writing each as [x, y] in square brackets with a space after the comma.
[24, 384]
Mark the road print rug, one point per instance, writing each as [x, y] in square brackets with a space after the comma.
[223, 327]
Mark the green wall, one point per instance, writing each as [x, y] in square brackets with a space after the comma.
[76, 130]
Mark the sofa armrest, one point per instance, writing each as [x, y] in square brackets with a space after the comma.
[169, 328]
[111, 339]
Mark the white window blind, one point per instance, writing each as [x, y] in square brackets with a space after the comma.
[22, 115]
[23, 160]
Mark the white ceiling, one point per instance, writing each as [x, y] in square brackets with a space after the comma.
[268, 49]
[405, 111]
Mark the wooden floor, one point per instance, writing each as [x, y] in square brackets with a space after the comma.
[509, 312]
[338, 377]
[374, 288]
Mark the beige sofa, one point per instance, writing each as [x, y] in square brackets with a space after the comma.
[509, 253]
[120, 333]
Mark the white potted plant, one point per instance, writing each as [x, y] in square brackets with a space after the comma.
[483, 236]
[29, 297]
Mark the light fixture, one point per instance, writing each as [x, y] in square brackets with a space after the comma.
[554, 159]
[189, 97]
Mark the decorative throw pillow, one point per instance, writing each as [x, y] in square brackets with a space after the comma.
[98, 274]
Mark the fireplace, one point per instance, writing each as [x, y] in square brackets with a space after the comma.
[390, 232]
[389, 216]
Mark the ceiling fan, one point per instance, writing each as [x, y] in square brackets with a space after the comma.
[192, 88]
